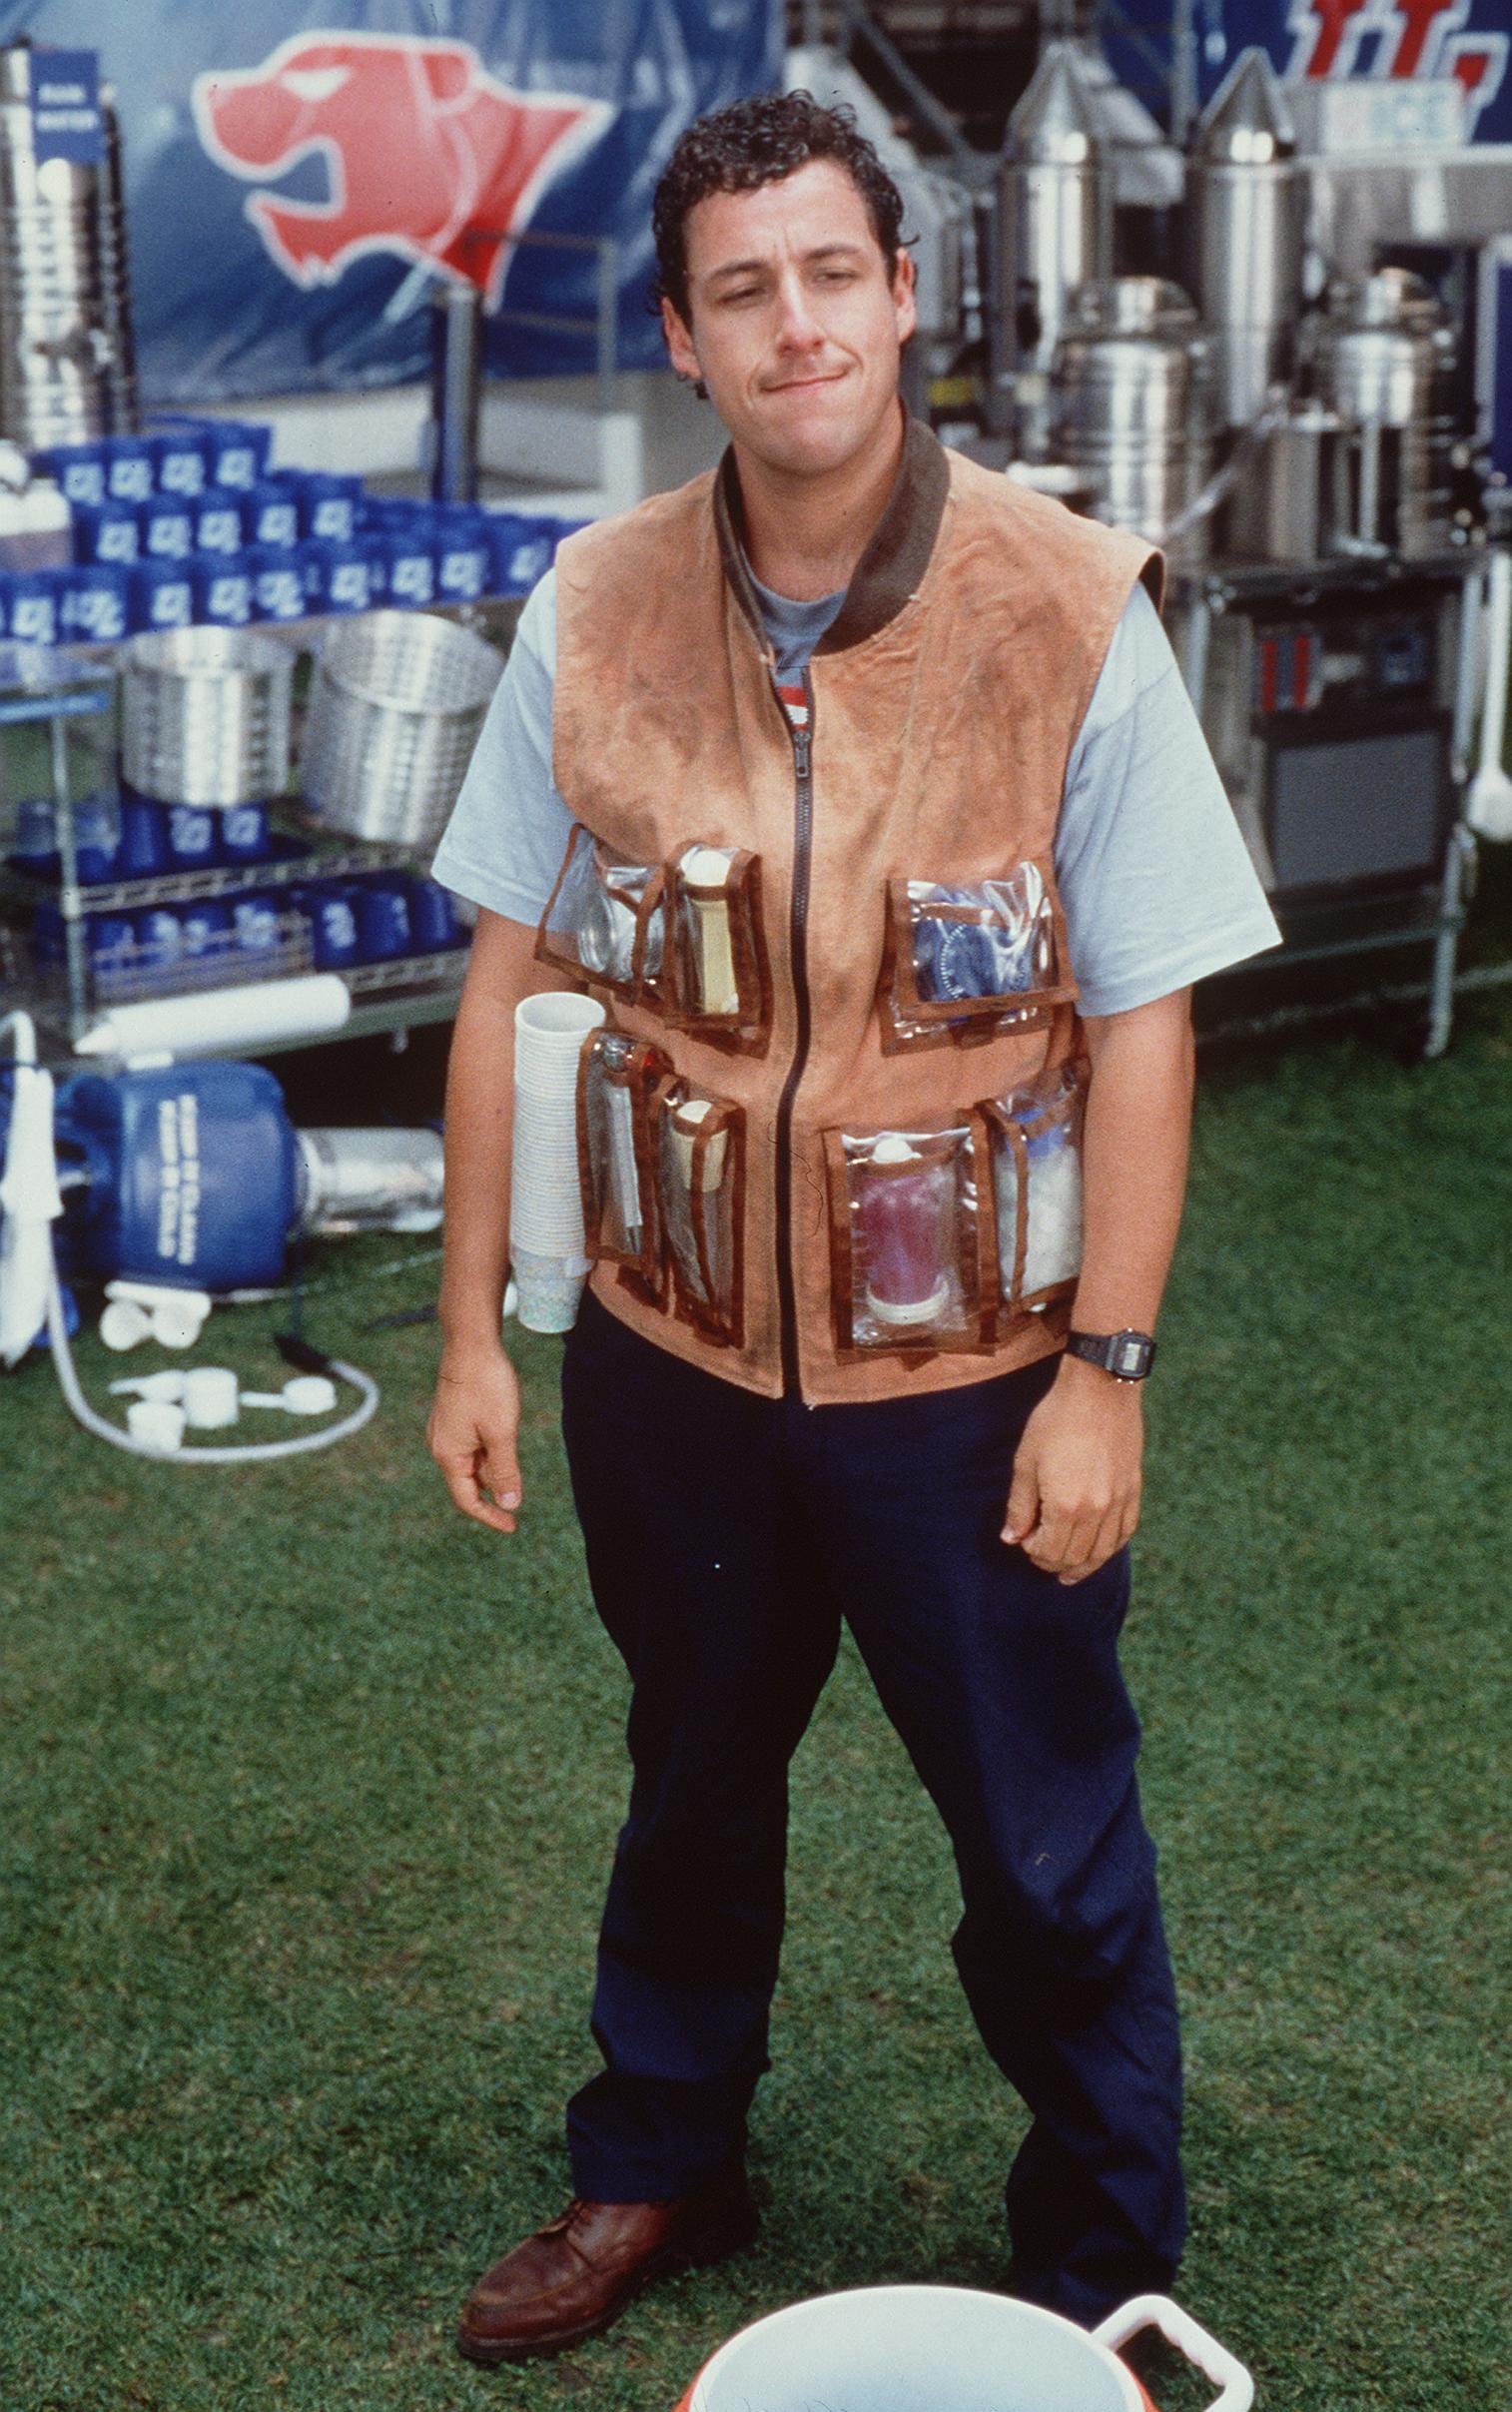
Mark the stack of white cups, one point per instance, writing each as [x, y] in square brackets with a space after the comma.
[545, 1209]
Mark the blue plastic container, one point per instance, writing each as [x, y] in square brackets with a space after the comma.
[160, 594]
[381, 906]
[108, 531]
[96, 604]
[167, 527]
[110, 941]
[327, 907]
[244, 836]
[236, 451]
[408, 570]
[222, 588]
[160, 943]
[346, 571]
[206, 923]
[278, 583]
[329, 505]
[34, 606]
[178, 460]
[192, 1176]
[271, 513]
[254, 922]
[142, 848]
[128, 469]
[520, 547]
[464, 563]
[432, 916]
[79, 470]
[193, 838]
[219, 525]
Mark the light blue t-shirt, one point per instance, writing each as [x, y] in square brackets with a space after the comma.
[1155, 880]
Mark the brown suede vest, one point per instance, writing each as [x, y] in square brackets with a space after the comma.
[947, 697]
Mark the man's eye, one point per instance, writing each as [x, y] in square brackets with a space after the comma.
[744, 292]
[834, 276]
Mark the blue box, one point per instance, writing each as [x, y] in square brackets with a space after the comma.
[462, 560]
[236, 451]
[178, 460]
[167, 527]
[278, 583]
[34, 608]
[271, 513]
[408, 570]
[329, 505]
[96, 604]
[244, 836]
[78, 469]
[142, 848]
[222, 589]
[193, 837]
[521, 546]
[218, 520]
[128, 469]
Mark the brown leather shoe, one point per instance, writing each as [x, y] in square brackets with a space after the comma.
[580, 2272]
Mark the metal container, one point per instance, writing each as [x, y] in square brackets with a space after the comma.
[1055, 215]
[1132, 405]
[396, 706]
[1385, 365]
[205, 715]
[371, 1181]
[62, 291]
[1246, 229]
[1281, 508]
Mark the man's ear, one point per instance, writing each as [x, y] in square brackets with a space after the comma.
[679, 342]
[904, 303]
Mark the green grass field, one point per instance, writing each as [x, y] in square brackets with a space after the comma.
[310, 1791]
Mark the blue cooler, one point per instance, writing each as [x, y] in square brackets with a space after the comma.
[381, 906]
[222, 589]
[166, 525]
[128, 469]
[110, 532]
[160, 594]
[96, 604]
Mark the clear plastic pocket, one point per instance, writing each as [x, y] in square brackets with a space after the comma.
[967, 963]
[718, 979]
[617, 1081]
[700, 1157]
[606, 922]
[1036, 1182]
[912, 1255]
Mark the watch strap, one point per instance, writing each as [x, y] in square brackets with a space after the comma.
[1127, 1356]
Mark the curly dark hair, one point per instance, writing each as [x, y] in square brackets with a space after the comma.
[758, 142]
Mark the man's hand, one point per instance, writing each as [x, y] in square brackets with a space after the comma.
[1074, 1498]
[474, 1434]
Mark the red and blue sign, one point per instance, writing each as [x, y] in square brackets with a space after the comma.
[1461, 41]
[292, 189]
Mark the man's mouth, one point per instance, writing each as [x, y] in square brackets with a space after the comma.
[804, 385]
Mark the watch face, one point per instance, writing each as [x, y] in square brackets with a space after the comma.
[1128, 1353]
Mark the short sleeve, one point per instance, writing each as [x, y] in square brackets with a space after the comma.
[1154, 873]
[508, 835]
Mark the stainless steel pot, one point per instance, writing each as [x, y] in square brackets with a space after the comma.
[397, 704]
[1133, 404]
[1385, 361]
[205, 715]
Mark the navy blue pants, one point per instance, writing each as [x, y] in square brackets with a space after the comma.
[727, 1537]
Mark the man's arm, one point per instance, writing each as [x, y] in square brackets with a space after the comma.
[1074, 1498]
[474, 1419]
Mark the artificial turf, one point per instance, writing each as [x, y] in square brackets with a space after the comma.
[309, 1790]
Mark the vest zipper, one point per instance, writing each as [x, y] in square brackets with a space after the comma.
[803, 834]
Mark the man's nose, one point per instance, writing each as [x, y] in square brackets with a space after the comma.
[797, 329]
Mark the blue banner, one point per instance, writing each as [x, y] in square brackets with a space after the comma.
[1376, 41]
[293, 187]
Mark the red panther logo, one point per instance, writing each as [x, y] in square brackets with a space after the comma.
[427, 156]
[1398, 38]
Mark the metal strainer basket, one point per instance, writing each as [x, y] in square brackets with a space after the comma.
[396, 706]
[205, 715]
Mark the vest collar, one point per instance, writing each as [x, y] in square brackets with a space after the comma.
[895, 559]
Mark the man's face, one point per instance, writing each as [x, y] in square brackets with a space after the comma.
[795, 320]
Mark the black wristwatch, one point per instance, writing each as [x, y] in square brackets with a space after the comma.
[1127, 1356]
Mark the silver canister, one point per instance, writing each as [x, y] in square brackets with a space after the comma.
[396, 706]
[1132, 405]
[1246, 225]
[62, 291]
[205, 715]
[1055, 219]
[1281, 507]
[1385, 366]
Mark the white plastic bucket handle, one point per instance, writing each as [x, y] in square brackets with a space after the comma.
[1178, 2328]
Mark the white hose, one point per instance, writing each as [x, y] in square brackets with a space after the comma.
[1489, 807]
[248, 1453]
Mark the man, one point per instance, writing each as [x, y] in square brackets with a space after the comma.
[880, 682]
